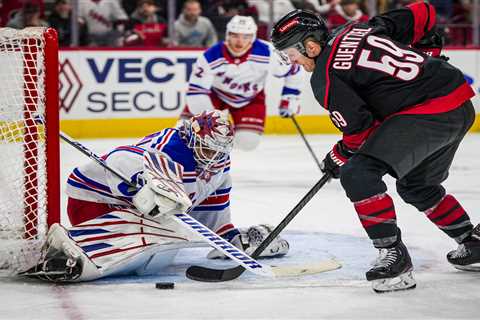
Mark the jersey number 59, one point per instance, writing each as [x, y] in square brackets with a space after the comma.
[397, 62]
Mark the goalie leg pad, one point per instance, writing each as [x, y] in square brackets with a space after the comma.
[62, 260]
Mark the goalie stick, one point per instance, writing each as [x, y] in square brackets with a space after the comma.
[186, 220]
[205, 274]
[300, 131]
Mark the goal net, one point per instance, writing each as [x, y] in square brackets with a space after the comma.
[29, 144]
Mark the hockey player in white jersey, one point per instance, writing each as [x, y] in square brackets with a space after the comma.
[116, 230]
[231, 76]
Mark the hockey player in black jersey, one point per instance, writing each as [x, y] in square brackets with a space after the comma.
[403, 111]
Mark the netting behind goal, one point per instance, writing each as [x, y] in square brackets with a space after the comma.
[29, 145]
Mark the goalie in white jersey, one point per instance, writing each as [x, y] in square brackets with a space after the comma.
[231, 75]
[116, 230]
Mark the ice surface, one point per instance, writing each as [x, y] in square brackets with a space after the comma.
[267, 184]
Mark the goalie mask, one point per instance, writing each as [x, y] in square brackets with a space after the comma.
[210, 136]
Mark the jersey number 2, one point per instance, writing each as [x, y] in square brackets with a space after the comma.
[397, 62]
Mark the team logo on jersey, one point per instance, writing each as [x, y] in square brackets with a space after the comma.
[70, 85]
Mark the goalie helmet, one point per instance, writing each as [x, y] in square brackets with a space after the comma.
[243, 25]
[298, 25]
[210, 136]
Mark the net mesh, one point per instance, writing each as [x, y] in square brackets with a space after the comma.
[23, 175]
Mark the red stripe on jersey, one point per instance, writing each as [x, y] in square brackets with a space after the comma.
[216, 199]
[327, 69]
[165, 140]
[423, 13]
[354, 141]
[225, 228]
[450, 102]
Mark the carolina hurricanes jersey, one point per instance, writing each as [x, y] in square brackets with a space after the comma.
[368, 72]
[236, 81]
[210, 193]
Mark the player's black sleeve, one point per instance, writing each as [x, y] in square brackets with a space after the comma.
[407, 25]
[349, 113]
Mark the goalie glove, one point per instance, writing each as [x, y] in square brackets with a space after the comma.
[163, 192]
[250, 239]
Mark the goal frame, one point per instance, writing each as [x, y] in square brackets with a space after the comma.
[52, 107]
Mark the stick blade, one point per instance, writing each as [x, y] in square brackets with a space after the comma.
[306, 269]
[205, 274]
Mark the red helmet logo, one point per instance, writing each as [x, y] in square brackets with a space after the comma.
[288, 25]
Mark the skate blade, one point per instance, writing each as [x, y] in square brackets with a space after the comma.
[404, 281]
[475, 267]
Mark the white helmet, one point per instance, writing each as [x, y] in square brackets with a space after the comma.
[242, 24]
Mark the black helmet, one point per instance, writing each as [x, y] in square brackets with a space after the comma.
[295, 27]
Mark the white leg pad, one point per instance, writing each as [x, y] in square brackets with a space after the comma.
[125, 242]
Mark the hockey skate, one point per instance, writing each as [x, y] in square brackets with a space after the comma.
[392, 270]
[467, 256]
[249, 239]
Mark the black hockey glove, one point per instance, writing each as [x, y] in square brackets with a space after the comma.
[336, 158]
[432, 45]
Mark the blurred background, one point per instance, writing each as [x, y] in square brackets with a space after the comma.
[158, 23]
[125, 64]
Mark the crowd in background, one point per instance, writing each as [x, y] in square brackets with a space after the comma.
[200, 23]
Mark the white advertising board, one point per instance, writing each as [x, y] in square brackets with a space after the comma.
[112, 84]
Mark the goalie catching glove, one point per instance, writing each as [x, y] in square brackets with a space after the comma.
[164, 193]
[250, 239]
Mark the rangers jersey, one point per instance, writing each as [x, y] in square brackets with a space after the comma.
[369, 71]
[209, 192]
[238, 80]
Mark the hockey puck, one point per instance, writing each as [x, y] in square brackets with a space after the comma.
[164, 285]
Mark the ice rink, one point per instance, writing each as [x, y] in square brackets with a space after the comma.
[267, 183]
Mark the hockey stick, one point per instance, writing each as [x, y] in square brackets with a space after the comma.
[300, 131]
[186, 220]
[215, 275]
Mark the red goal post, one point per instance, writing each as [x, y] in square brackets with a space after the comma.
[29, 144]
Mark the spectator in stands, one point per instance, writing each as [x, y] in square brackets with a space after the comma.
[9, 8]
[146, 28]
[321, 6]
[28, 16]
[193, 30]
[280, 8]
[105, 21]
[221, 11]
[60, 19]
[344, 12]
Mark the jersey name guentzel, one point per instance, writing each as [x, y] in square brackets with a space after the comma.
[347, 48]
